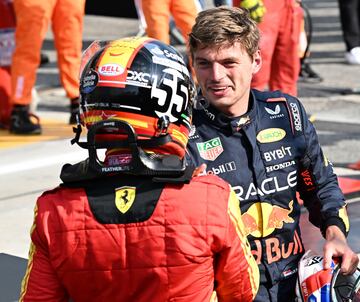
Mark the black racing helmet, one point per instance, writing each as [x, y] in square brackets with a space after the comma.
[143, 84]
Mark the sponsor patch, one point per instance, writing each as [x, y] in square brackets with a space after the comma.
[223, 168]
[276, 113]
[296, 117]
[277, 153]
[211, 149]
[276, 250]
[89, 81]
[139, 78]
[268, 186]
[280, 166]
[270, 135]
[262, 218]
[111, 70]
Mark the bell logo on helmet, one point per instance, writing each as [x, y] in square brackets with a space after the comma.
[111, 69]
[173, 103]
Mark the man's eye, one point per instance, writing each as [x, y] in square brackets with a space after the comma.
[203, 64]
[229, 63]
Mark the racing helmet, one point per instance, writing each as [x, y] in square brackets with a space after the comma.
[136, 93]
[318, 285]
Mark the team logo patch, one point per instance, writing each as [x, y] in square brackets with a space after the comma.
[89, 81]
[273, 112]
[276, 113]
[271, 135]
[211, 149]
[124, 198]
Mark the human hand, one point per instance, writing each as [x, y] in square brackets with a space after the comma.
[199, 170]
[256, 9]
[336, 246]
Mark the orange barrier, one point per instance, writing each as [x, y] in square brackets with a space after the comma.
[354, 166]
[349, 185]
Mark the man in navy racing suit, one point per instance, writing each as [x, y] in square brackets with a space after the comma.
[263, 144]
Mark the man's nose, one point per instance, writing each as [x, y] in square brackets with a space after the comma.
[217, 72]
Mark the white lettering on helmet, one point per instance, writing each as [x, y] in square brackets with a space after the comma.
[173, 56]
[133, 75]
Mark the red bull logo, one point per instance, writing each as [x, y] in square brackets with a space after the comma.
[261, 219]
[275, 250]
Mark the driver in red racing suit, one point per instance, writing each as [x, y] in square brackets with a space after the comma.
[262, 144]
[137, 226]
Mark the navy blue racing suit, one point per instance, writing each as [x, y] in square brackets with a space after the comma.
[268, 155]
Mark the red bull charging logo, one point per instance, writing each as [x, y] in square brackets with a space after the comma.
[261, 219]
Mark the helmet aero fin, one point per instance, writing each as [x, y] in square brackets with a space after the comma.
[136, 97]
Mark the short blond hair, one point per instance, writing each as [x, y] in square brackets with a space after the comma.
[222, 26]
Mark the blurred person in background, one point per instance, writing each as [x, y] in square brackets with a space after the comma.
[32, 20]
[141, 18]
[280, 24]
[350, 24]
[158, 13]
[306, 74]
[7, 45]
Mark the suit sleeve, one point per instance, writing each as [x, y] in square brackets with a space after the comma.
[318, 185]
[40, 282]
[236, 271]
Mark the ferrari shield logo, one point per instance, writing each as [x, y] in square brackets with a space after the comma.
[124, 198]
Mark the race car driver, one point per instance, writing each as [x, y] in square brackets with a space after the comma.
[264, 146]
[131, 227]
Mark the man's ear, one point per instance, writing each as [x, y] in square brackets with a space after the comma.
[257, 61]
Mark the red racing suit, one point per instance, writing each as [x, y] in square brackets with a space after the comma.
[7, 44]
[32, 21]
[157, 15]
[279, 44]
[131, 239]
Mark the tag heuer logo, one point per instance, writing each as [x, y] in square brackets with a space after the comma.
[124, 198]
[210, 149]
